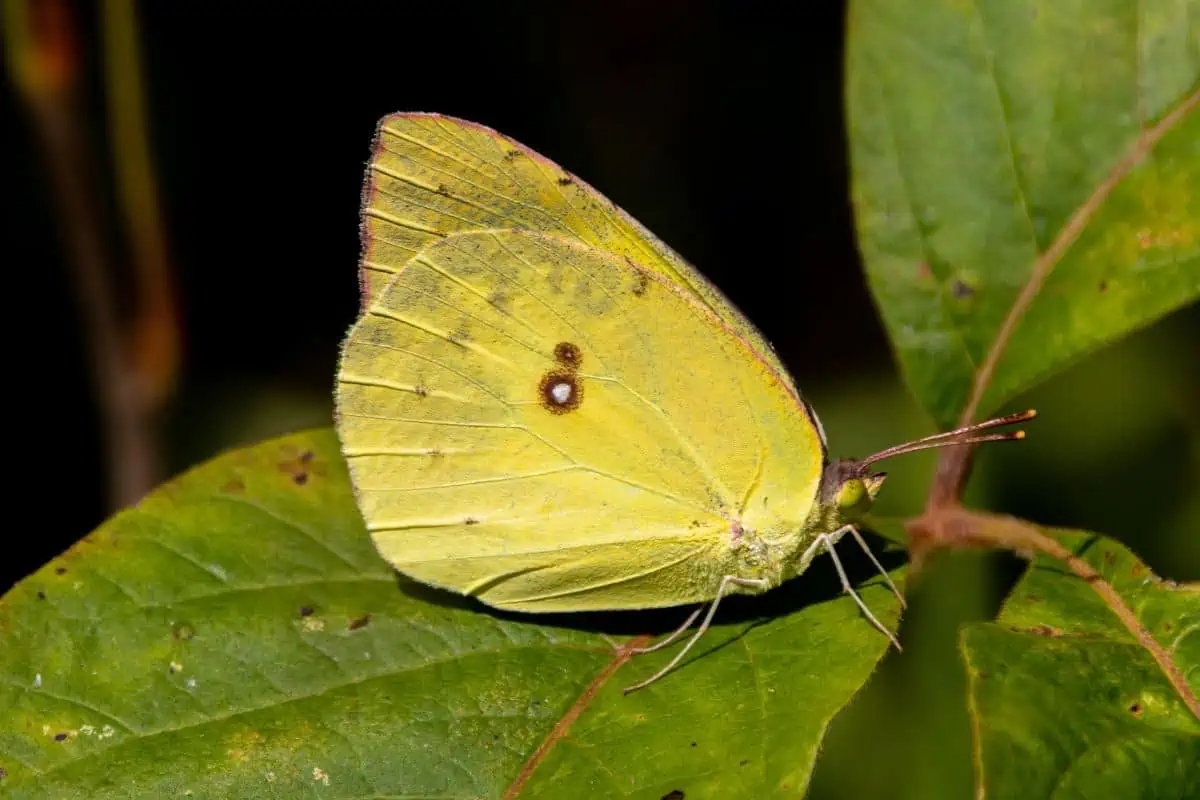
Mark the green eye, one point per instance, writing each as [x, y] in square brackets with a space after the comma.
[851, 493]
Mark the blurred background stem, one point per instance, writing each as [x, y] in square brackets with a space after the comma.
[133, 342]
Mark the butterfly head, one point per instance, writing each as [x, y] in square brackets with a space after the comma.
[850, 487]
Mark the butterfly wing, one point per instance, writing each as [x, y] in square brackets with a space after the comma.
[549, 426]
[431, 176]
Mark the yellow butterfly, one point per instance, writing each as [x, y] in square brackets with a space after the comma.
[544, 407]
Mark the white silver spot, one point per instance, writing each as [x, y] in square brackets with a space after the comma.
[561, 392]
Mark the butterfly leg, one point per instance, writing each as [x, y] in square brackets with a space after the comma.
[687, 623]
[726, 582]
[861, 543]
[827, 540]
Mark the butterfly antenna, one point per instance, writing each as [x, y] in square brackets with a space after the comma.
[968, 434]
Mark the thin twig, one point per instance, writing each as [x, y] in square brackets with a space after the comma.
[46, 65]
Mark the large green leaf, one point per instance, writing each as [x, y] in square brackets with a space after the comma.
[1025, 179]
[1066, 703]
[236, 635]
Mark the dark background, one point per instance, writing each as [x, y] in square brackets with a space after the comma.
[718, 125]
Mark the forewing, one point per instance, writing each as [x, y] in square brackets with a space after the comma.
[431, 176]
[473, 476]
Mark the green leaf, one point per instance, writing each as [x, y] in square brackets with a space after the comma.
[1064, 700]
[1024, 181]
[236, 635]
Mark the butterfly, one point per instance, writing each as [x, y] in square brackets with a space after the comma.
[546, 408]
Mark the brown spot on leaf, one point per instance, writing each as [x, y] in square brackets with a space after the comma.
[306, 611]
[960, 289]
[568, 355]
[1103, 287]
[512, 155]
[1044, 630]
[359, 622]
[470, 521]
[560, 392]
[443, 190]
[1136, 709]
[1137, 570]
[743, 762]
[234, 485]
[565, 181]
[60, 737]
[924, 272]
[301, 467]
[41, 595]
[674, 794]
[421, 391]
[60, 570]
[183, 632]
[3, 773]
[1109, 556]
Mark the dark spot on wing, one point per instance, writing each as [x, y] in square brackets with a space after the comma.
[640, 282]
[499, 299]
[568, 355]
[560, 392]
